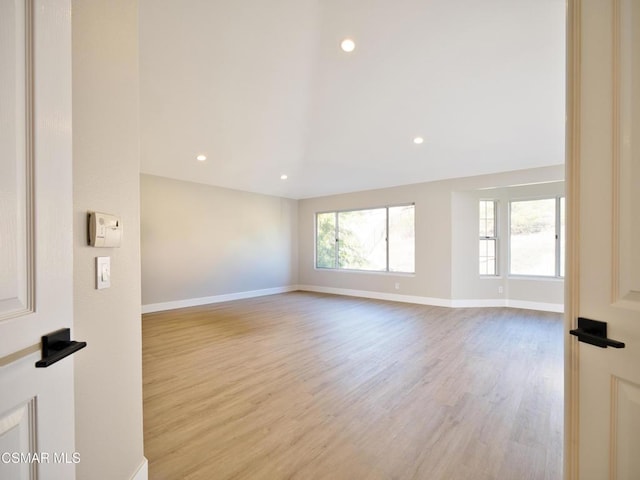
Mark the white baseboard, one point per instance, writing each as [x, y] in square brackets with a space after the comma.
[437, 302]
[143, 471]
[193, 302]
[393, 297]
[545, 307]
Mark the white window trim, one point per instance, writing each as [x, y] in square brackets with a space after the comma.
[517, 276]
[337, 253]
[495, 238]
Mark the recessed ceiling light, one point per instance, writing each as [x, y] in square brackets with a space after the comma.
[283, 177]
[418, 140]
[201, 158]
[348, 45]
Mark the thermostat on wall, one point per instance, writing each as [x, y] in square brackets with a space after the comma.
[105, 230]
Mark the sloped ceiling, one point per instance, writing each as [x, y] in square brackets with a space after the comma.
[262, 89]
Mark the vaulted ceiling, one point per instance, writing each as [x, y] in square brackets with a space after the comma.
[262, 89]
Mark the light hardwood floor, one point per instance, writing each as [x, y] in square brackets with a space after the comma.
[309, 386]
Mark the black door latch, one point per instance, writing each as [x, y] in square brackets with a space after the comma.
[594, 333]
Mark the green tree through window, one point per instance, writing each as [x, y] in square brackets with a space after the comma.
[326, 240]
[380, 239]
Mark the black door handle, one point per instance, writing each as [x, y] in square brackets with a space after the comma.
[56, 346]
[594, 332]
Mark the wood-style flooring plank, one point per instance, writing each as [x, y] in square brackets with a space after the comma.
[310, 386]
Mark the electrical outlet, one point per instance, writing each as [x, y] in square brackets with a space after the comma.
[397, 285]
[500, 289]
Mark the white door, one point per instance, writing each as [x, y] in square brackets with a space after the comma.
[36, 404]
[603, 395]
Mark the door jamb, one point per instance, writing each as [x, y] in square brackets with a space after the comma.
[572, 284]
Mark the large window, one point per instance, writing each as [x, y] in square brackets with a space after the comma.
[536, 240]
[377, 239]
[488, 238]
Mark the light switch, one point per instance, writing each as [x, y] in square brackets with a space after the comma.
[103, 272]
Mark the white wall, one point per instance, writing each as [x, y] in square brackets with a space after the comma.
[200, 242]
[440, 254]
[433, 250]
[108, 383]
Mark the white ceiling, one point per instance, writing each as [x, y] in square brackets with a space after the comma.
[262, 88]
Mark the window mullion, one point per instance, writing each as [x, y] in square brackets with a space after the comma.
[495, 237]
[336, 260]
[387, 237]
[557, 236]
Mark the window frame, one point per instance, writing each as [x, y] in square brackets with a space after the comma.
[495, 238]
[557, 242]
[336, 261]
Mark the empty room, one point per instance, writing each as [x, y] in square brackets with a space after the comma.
[352, 239]
[310, 239]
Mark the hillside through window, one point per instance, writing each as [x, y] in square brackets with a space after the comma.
[536, 237]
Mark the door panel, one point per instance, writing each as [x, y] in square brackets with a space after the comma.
[16, 256]
[36, 404]
[603, 177]
[626, 138]
[625, 428]
[17, 436]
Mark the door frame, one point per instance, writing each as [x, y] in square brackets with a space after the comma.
[572, 274]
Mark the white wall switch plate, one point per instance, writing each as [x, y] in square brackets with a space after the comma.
[103, 272]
